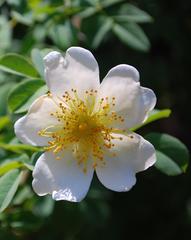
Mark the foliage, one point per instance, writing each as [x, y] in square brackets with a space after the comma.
[51, 20]
[44, 25]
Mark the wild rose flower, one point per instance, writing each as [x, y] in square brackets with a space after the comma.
[85, 126]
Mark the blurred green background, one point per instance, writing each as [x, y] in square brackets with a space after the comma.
[154, 36]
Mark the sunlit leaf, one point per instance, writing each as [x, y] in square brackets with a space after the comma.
[11, 163]
[103, 30]
[24, 93]
[8, 185]
[37, 59]
[131, 13]
[17, 64]
[88, 12]
[154, 116]
[132, 35]
[26, 18]
[63, 35]
[4, 121]
[29, 166]
[5, 33]
[97, 6]
[14, 2]
[9, 166]
[41, 91]
[18, 148]
[39, 35]
[172, 154]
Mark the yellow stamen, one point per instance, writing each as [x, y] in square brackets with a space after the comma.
[84, 127]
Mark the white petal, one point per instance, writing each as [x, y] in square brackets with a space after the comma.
[63, 178]
[133, 154]
[78, 70]
[132, 101]
[148, 99]
[116, 177]
[37, 118]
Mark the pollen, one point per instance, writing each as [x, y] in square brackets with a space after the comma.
[84, 126]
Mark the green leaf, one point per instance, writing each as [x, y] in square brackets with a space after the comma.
[39, 33]
[13, 162]
[88, 12]
[5, 33]
[26, 18]
[132, 35]
[67, 30]
[96, 7]
[4, 121]
[172, 154]
[154, 116]
[22, 195]
[37, 60]
[108, 3]
[18, 148]
[45, 51]
[103, 30]
[166, 165]
[14, 2]
[41, 91]
[24, 94]
[130, 13]
[8, 185]
[92, 2]
[29, 166]
[1, 2]
[44, 207]
[6, 167]
[17, 64]
[4, 92]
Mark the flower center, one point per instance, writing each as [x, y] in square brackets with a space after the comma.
[84, 127]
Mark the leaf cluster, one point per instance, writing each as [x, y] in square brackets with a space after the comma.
[66, 23]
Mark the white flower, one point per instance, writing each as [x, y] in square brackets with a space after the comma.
[85, 126]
